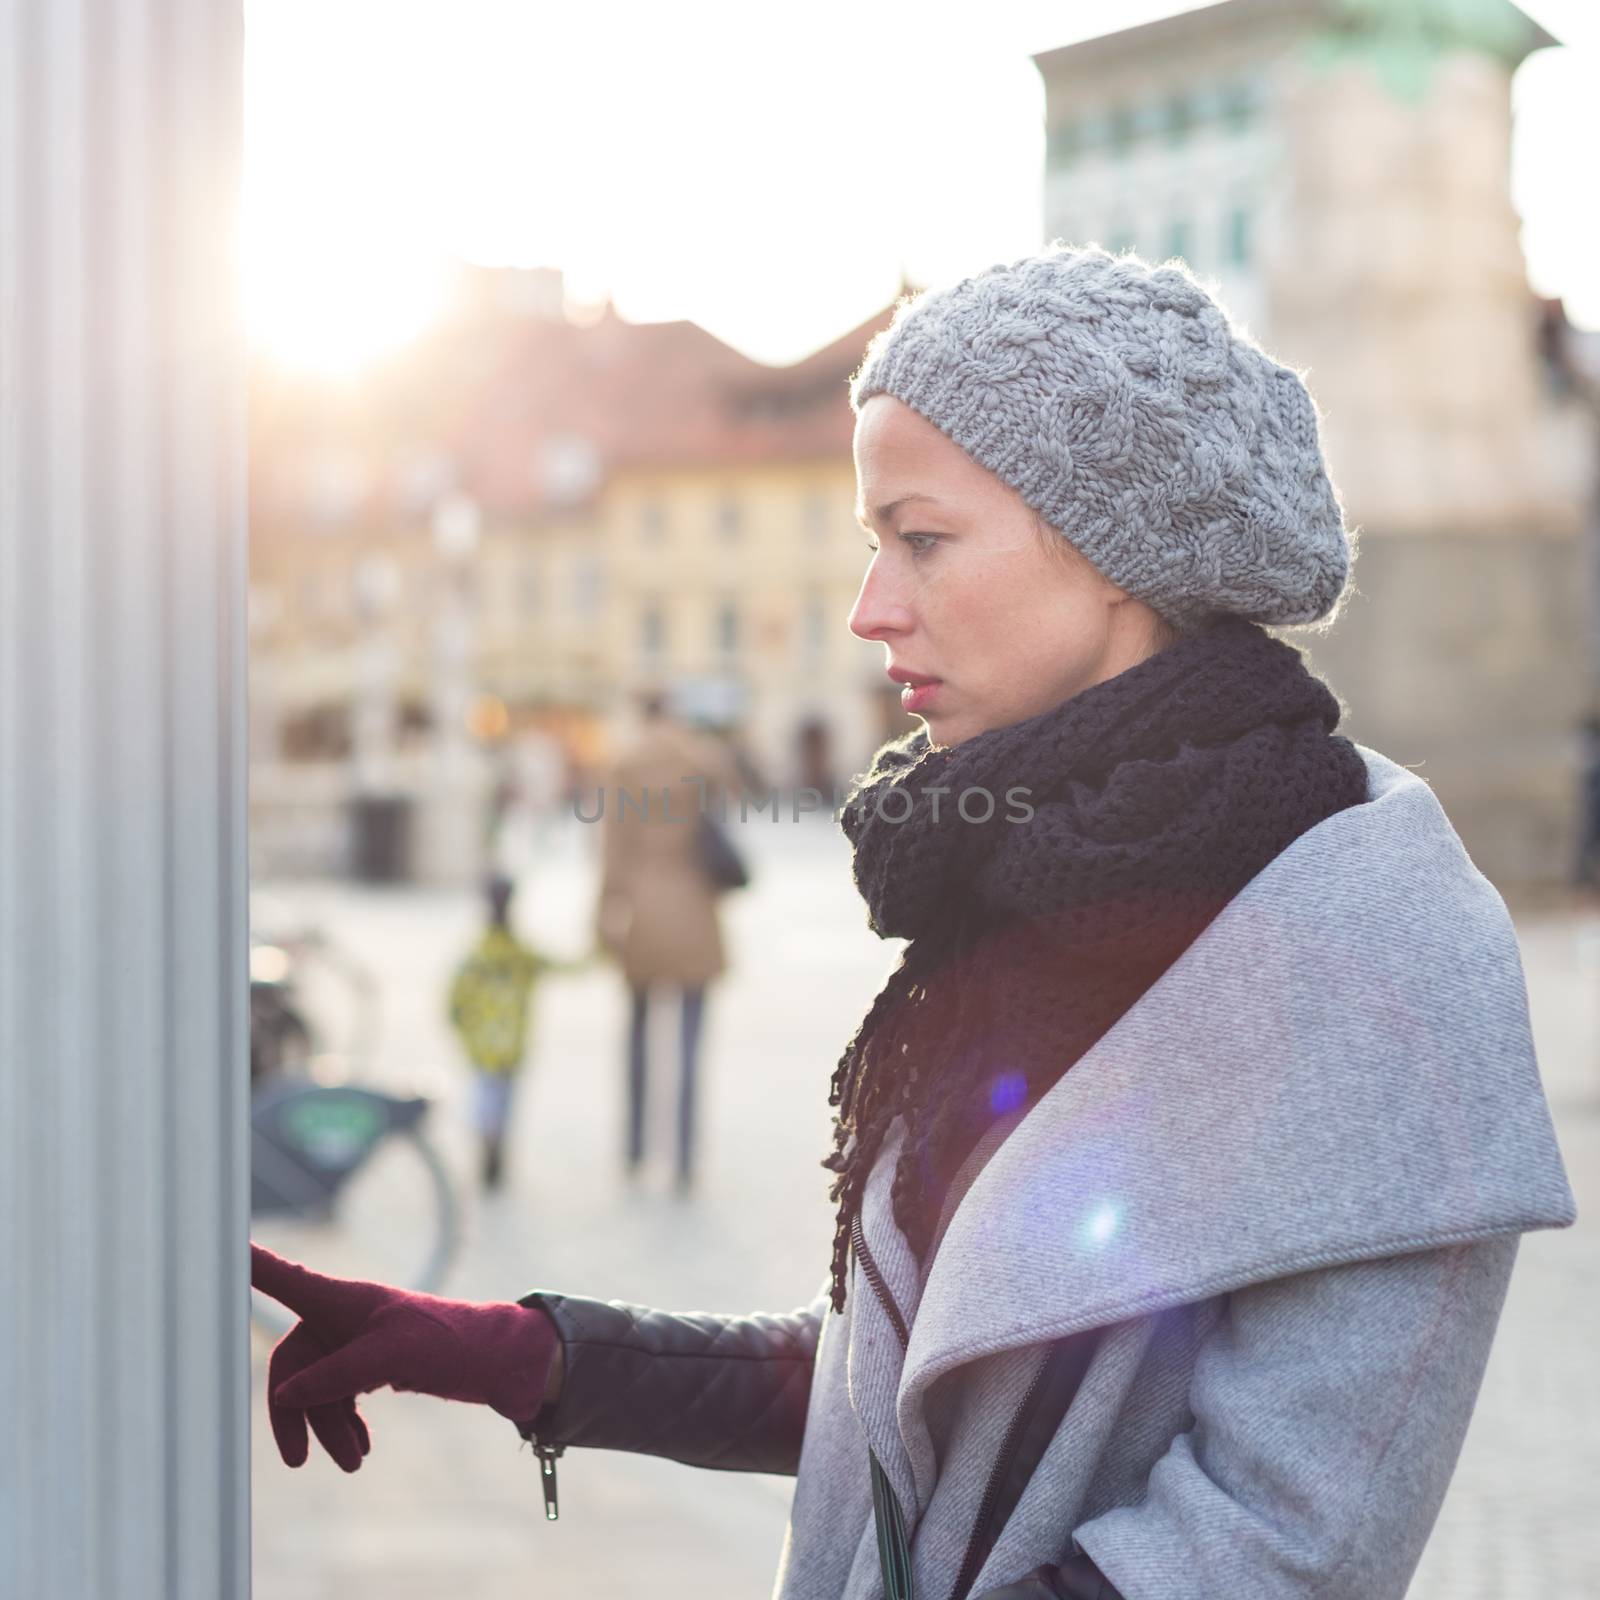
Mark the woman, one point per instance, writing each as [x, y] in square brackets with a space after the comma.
[1182, 1160]
[657, 907]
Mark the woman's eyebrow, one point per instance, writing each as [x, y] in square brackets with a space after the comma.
[888, 508]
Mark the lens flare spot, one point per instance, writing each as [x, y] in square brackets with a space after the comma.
[1101, 1225]
[1007, 1092]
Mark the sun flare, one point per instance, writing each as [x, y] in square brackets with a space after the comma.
[336, 313]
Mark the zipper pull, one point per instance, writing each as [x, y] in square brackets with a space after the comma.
[547, 1480]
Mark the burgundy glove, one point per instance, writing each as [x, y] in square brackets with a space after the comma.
[354, 1337]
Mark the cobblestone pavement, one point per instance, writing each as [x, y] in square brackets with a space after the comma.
[448, 1502]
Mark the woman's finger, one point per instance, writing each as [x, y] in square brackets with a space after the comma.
[297, 1350]
[290, 1284]
[341, 1432]
[339, 1427]
[352, 1369]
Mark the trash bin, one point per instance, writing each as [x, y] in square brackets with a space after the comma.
[380, 838]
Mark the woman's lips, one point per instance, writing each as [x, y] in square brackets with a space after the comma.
[917, 689]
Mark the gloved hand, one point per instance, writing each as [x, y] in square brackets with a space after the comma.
[354, 1337]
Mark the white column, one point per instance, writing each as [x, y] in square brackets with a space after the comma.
[124, 1378]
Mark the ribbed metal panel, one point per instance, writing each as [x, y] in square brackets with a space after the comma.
[123, 1156]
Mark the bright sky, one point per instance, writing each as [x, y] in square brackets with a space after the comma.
[767, 171]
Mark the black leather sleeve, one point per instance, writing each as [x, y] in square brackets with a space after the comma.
[1079, 1579]
[707, 1390]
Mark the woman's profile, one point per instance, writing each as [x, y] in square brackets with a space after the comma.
[1181, 1161]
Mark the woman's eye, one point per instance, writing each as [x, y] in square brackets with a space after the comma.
[921, 543]
[872, 545]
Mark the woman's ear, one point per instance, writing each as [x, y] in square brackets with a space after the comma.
[1143, 622]
[1162, 632]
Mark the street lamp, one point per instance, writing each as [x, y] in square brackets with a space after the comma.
[453, 843]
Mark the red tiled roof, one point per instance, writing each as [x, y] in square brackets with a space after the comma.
[501, 396]
[664, 394]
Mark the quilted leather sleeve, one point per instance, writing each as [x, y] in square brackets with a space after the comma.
[708, 1390]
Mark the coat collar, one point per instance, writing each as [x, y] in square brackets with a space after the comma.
[1339, 1068]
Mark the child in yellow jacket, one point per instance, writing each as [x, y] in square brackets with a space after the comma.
[491, 998]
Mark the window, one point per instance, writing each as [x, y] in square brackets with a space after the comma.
[375, 587]
[1238, 241]
[1121, 238]
[566, 469]
[1121, 130]
[1237, 106]
[652, 629]
[335, 487]
[1180, 239]
[588, 584]
[317, 733]
[727, 628]
[311, 596]
[1063, 145]
[1178, 119]
[815, 626]
[815, 517]
[729, 520]
[423, 477]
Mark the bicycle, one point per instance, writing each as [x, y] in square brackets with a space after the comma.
[335, 1165]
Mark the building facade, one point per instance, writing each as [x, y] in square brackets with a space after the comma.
[492, 548]
[1340, 172]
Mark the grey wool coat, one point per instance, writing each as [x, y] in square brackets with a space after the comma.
[1286, 1188]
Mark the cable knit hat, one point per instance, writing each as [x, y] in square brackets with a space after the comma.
[1124, 408]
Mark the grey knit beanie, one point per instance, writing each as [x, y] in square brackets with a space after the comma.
[1120, 403]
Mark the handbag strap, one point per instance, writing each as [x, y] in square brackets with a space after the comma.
[894, 1549]
[1059, 1380]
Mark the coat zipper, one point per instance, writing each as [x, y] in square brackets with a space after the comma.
[858, 1237]
[974, 1557]
[894, 1548]
[547, 1480]
[545, 1455]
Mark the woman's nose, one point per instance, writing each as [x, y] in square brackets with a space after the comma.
[878, 612]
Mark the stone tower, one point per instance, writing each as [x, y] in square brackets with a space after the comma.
[1340, 170]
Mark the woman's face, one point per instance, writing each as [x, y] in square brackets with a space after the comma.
[971, 605]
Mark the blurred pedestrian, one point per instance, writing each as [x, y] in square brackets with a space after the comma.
[1183, 1158]
[491, 998]
[1586, 874]
[657, 912]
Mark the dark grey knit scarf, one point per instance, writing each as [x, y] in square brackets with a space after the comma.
[1047, 873]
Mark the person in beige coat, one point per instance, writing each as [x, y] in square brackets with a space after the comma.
[657, 914]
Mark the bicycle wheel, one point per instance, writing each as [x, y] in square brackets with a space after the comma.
[394, 1219]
